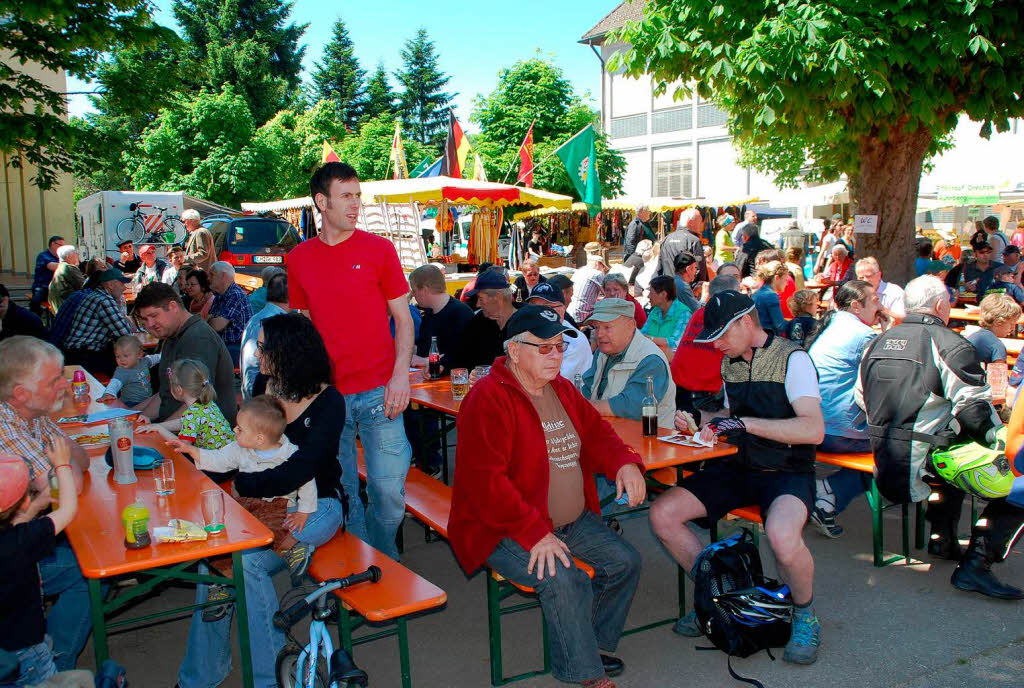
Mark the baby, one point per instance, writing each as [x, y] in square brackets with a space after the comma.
[260, 444]
[132, 377]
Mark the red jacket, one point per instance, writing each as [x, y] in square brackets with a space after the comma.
[697, 367]
[501, 464]
[639, 314]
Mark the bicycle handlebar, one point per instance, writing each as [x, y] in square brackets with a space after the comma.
[286, 618]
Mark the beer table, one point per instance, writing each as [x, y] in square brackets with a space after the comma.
[97, 537]
[434, 398]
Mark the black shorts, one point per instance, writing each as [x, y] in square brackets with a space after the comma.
[723, 486]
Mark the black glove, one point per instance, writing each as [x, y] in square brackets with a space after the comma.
[726, 426]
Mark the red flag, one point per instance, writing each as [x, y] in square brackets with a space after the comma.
[328, 154]
[526, 159]
[456, 148]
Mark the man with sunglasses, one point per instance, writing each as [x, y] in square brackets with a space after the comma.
[978, 273]
[524, 501]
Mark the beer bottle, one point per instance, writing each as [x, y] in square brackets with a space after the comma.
[649, 412]
[434, 360]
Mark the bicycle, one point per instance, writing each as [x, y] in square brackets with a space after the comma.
[168, 229]
[308, 666]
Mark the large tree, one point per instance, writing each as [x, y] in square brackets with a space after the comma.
[380, 99]
[59, 36]
[869, 88]
[248, 44]
[530, 90]
[423, 100]
[338, 78]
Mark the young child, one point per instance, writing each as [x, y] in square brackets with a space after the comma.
[804, 305]
[1003, 283]
[260, 444]
[24, 541]
[132, 377]
[998, 316]
[202, 423]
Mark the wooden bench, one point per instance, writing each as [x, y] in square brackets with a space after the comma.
[398, 594]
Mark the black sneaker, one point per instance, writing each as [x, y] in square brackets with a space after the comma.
[218, 593]
[825, 522]
[298, 558]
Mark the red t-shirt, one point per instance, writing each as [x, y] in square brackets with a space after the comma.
[346, 288]
[787, 292]
[697, 367]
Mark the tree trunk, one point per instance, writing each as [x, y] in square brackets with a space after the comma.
[890, 172]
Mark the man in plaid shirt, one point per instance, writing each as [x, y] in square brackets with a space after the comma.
[586, 283]
[32, 385]
[98, 320]
[230, 311]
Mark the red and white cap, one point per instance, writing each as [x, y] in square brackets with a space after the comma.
[13, 480]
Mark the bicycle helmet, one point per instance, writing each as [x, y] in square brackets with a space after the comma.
[982, 471]
[757, 606]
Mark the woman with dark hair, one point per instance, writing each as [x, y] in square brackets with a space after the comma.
[292, 355]
[197, 286]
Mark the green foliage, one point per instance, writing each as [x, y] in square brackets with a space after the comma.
[57, 35]
[537, 89]
[247, 44]
[423, 102]
[339, 78]
[380, 99]
[369, 152]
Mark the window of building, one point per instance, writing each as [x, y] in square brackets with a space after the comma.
[673, 178]
[634, 125]
[674, 119]
[709, 115]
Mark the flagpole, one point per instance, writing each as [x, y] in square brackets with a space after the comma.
[552, 153]
[528, 130]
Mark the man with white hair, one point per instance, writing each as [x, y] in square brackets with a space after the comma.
[32, 385]
[923, 389]
[67, 278]
[889, 295]
[230, 310]
[199, 246]
[637, 230]
[586, 283]
[685, 238]
[841, 268]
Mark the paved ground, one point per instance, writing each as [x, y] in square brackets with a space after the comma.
[897, 626]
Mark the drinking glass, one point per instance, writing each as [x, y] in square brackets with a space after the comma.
[478, 372]
[213, 510]
[163, 475]
[460, 383]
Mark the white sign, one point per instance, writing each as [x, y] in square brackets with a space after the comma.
[865, 224]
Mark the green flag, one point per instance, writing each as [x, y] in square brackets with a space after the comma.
[579, 156]
[419, 169]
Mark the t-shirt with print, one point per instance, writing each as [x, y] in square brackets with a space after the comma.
[22, 623]
[565, 480]
[205, 426]
[346, 288]
[136, 382]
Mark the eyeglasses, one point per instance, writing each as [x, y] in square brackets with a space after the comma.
[545, 348]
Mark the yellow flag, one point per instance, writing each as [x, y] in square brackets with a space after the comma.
[398, 154]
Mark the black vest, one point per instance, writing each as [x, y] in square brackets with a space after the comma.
[758, 388]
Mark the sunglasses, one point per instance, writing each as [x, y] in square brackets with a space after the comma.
[545, 348]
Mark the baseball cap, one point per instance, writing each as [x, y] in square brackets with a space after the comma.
[13, 480]
[492, 278]
[559, 281]
[548, 293]
[934, 267]
[540, 321]
[147, 248]
[607, 310]
[726, 220]
[111, 274]
[723, 309]
[126, 241]
[1002, 270]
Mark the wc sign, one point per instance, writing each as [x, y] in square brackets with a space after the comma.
[865, 224]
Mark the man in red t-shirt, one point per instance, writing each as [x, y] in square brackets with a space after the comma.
[349, 281]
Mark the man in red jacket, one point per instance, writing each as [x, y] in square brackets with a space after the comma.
[525, 501]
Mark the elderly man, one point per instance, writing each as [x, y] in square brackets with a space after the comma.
[67, 278]
[840, 269]
[524, 500]
[32, 385]
[230, 310]
[98, 320]
[586, 283]
[258, 298]
[15, 320]
[276, 304]
[940, 399]
[746, 257]
[617, 380]
[152, 268]
[637, 230]
[525, 282]
[183, 335]
[46, 262]
[890, 295]
[616, 286]
[484, 334]
[685, 238]
[576, 359]
[199, 250]
[773, 415]
[127, 262]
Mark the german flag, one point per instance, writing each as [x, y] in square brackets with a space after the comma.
[526, 159]
[456, 148]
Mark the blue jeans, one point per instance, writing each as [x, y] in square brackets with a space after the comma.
[207, 659]
[68, 623]
[388, 455]
[583, 616]
[846, 484]
[35, 665]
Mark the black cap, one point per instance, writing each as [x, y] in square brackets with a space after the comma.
[559, 281]
[126, 241]
[494, 278]
[1003, 270]
[540, 321]
[549, 293]
[723, 309]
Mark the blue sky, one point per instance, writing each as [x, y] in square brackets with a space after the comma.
[474, 39]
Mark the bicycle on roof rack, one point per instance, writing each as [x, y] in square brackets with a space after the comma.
[157, 227]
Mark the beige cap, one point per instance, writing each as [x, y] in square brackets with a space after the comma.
[607, 310]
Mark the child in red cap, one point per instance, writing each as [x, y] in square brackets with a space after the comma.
[23, 542]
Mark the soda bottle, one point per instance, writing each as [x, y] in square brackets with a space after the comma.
[649, 411]
[578, 382]
[434, 360]
[79, 387]
[135, 519]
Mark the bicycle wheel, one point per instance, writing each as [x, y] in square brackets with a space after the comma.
[177, 227]
[287, 662]
[130, 229]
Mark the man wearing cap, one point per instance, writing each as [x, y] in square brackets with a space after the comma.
[1011, 257]
[524, 501]
[576, 359]
[617, 380]
[773, 416]
[685, 238]
[484, 335]
[586, 283]
[127, 262]
[98, 320]
[978, 273]
[152, 268]
[1003, 283]
[46, 262]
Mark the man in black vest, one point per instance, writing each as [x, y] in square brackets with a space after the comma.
[773, 415]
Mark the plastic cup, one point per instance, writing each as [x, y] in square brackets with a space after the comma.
[213, 510]
[163, 476]
[460, 383]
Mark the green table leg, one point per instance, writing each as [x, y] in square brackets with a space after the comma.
[875, 501]
[403, 653]
[242, 616]
[99, 626]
